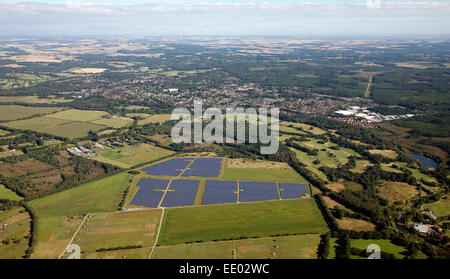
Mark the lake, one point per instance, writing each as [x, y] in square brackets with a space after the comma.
[424, 161]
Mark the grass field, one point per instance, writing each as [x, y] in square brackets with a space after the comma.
[258, 219]
[3, 133]
[118, 229]
[440, 208]
[386, 153]
[139, 253]
[96, 196]
[306, 127]
[32, 100]
[275, 175]
[18, 228]
[360, 166]
[62, 212]
[210, 250]
[286, 247]
[55, 126]
[385, 245]
[117, 122]
[8, 194]
[397, 191]
[79, 115]
[12, 112]
[53, 234]
[355, 224]
[131, 155]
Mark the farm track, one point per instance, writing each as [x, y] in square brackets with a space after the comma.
[74, 235]
[157, 234]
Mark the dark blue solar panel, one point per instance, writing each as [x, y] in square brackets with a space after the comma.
[172, 167]
[204, 167]
[149, 193]
[291, 190]
[181, 192]
[217, 191]
[257, 191]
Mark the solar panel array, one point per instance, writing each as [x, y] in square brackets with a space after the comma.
[150, 192]
[172, 167]
[217, 192]
[257, 191]
[292, 190]
[204, 167]
[182, 192]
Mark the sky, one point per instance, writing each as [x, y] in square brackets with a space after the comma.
[316, 18]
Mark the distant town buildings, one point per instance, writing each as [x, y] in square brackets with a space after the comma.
[368, 115]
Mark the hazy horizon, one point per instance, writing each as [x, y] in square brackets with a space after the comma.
[269, 18]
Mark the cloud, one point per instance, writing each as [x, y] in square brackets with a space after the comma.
[219, 18]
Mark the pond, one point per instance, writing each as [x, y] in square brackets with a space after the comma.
[424, 161]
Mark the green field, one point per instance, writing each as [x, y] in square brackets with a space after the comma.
[275, 175]
[257, 219]
[118, 229]
[32, 100]
[286, 247]
[440, 208]
[210, 250]
[8, 194]
[18, 112]
[96, 196]
[79, 115]
[139, 253]
[3, 133]
[18, 228]
[55, 126]
[131, 155]
[117, 122]
[385, 245]
[60, 213]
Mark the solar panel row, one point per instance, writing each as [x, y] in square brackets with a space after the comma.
[183, 192]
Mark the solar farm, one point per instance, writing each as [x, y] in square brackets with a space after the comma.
[183, 181]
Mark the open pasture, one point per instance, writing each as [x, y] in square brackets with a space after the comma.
[150, 192]
[7, 194]
[181, 193]
[96, 196]
[79, 115]
[131, 155]
[440, 208]
[32, 100]
[210, 250]
[217, 192]
[397, 191]
[257, 191]
[118, 229]
[257, 219]
[13, 240]
[13, 112]
[138, 253]
[269, 175]
[55, 126]
[116, 122]
[285, 247]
